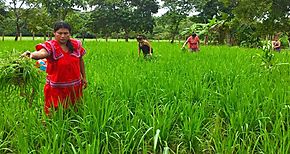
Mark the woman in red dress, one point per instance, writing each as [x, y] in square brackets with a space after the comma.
[65, 70]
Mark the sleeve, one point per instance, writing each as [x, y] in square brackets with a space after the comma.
[46, 45]
[82, 51]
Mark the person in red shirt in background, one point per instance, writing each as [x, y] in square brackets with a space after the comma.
[65, 70]
[193, 43]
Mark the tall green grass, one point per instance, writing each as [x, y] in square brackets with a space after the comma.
[221, 100]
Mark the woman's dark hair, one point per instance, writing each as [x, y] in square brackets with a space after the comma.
[193, 34]
[140, 37]
[61, 24]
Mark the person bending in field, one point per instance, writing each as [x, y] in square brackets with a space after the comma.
[193, 43]
[276, 44]
[65, 70]
[145, 46]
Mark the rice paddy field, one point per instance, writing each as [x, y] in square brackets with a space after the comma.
[221, 100]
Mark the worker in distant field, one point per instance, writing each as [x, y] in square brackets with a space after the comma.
[144, 45]
[276, 44]
[193, 43]
[65, 70]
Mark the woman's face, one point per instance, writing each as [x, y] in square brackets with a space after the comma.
[62, 35]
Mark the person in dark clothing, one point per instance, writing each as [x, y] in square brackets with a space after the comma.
[144, 45]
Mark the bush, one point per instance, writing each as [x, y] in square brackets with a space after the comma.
[284, 41]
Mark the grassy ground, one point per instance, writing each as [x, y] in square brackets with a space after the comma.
[221, 100]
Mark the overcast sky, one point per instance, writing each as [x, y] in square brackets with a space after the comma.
[160, 11]
[163, 10]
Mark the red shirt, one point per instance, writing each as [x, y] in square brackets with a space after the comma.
[63, 68]
[193, 42]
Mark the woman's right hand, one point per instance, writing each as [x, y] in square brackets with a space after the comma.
[26, 54]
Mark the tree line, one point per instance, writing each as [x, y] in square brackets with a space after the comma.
[237, 22]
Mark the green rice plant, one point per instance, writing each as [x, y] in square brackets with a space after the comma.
[267, 57]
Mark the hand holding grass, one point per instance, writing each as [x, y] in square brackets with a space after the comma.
[26, 54]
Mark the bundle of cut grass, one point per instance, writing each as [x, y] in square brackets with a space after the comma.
[19, 73]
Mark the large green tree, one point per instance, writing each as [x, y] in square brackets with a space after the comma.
[177, 11]
[104, 17]
[250, 10]
[21, 10]
[137, 16]
[278, 17]
[59, 9]
[2, 9]
[39, 22]
[209, 9]
[6, 23]
[142, 14]
[251, 20]
[123, 16]
[244, 18]
[79, 22]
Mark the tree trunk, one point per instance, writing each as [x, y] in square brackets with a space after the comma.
[3, 36]
[96, 37]
[44, 36]
[206, 40]
[48, 35]
[20, 36]
[126, 36]
[83, 36]
[106, 37]
[232, 40]
[117, 37]
[172, 38]
[17, 29]
[16, 36]
[174, 32]
[33, 36]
